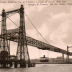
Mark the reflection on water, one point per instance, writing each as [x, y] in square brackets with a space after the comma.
[42, 68]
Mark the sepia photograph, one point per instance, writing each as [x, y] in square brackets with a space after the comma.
[35, 36]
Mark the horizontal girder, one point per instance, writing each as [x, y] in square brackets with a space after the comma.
[13, 36]
[13, 11]
[10, 12]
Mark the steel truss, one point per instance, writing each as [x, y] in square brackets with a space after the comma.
[4, 42]
[22, 50]
[13, 35]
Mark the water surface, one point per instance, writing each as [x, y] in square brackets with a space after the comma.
[42, 68]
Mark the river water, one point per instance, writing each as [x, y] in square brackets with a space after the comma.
[42, 68]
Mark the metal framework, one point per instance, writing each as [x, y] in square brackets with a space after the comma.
[13, 35]
[19, 35]
[4, 42]
[22, 50]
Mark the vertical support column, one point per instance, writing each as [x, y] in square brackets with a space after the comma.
[63, 56]
[5, 51]
[3, 28]
[67, 54]
[4, 41]
[9, 47]
[22, 50]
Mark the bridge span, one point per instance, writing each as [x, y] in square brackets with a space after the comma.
[19, 35]
[13, 35]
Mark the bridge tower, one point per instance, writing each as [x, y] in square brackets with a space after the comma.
[4, 48]
[4, 42]
[22, 50]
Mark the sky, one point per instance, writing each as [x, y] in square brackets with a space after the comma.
[54, 22]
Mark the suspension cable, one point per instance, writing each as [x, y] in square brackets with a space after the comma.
[13, 22]
[7, 17]
[36, 29]
[17, 25]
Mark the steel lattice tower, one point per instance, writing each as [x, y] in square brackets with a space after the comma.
[22, 50]
[4, 42]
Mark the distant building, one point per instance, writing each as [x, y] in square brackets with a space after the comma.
[59, 59]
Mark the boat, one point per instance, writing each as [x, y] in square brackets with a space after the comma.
[44, 59]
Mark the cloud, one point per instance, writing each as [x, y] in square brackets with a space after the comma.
[58, 35]
[40, 8]
[64, 24]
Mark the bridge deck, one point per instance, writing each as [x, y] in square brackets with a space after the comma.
[13, 36]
